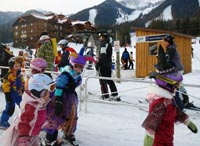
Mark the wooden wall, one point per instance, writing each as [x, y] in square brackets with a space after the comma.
[145, 62]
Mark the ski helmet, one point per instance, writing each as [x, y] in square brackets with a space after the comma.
[38, 64]
[169, 81]
[39, 82]
[44, 38]
[103, 33]
[63, 42]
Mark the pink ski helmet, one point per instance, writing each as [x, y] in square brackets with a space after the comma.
[38, 64]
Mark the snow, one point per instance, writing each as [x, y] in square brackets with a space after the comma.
[167, 13]
[92, 15]
[119, 124]
[140, 7]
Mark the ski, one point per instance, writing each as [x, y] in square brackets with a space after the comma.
[43, 143]
[143, 109]
[3, 128]
[72, 143]
[192, 108]
[68, 142]
[142, 101]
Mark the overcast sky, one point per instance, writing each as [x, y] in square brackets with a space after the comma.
[57, 6]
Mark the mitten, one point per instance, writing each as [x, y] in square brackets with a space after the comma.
[23, 141]
[8, 97]
[191, 125]
[148, 140]
[59, 105]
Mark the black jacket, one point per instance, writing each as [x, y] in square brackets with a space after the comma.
[105, 54]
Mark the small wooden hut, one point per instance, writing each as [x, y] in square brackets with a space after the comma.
[147, 44]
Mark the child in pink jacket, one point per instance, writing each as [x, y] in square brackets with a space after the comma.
[27, 125]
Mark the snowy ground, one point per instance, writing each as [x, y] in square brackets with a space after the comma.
[119, 124]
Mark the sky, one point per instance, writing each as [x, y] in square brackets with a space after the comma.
[58, 6]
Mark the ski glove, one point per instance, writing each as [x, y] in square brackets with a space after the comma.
[59, 105]
[148, 140]
[191, 126]
[8, 97]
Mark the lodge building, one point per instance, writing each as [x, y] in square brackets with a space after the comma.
[27, 28]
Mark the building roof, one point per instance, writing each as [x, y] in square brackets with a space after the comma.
[162, 31]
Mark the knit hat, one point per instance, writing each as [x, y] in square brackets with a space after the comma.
[79, 58]
[169, 38]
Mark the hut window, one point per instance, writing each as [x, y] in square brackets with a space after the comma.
[153, 49]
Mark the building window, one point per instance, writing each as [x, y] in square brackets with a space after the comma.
[31, 31]
[153, 49]
[16, 27]
[45, 24]
[56, 26]
[16, 33]
[60, 27]
[31, 38]
[31, 24]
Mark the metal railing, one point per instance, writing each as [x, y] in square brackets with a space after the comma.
[85, 97]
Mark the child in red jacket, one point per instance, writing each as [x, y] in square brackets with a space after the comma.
[163, 112]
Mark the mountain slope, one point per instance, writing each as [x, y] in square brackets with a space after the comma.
[107, 12]
[6, 17]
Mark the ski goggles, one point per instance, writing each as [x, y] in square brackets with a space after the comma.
[51, 87]
[167, 80]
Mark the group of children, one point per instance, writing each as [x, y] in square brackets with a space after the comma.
[44, 104]
[52, 105]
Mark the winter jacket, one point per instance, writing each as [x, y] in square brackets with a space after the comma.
[66, 83]
[105, 55]
[46, 52]
[125, 55]
[32, 115]
[13, 82]
[64, 59]
[162, 115]
[173, 57]
[29, 122]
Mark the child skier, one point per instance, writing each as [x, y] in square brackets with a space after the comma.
[159, 124]
[37, 65]
[62, 110]
[27, 125]
[13, 87]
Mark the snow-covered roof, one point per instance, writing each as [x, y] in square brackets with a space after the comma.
[78, 22]
[61, 21]
[39, 16]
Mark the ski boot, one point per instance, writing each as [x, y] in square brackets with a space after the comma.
[4, 125]
[71, 139]
[48, 143]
